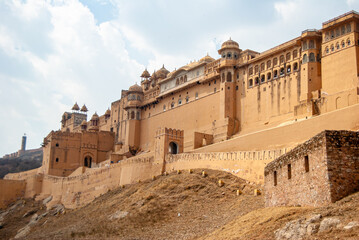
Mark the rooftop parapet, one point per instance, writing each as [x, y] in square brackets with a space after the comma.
[340, 18]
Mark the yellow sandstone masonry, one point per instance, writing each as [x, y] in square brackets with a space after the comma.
[236, 113]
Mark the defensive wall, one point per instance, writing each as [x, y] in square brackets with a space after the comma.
[290, 134]
[85, 184]
[324, 169]
[10, 191]
[248, 165]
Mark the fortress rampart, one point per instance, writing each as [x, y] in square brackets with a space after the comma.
[248, 165]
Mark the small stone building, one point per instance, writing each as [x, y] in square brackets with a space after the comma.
[324, 169]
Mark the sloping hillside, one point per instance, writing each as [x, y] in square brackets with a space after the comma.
[30, 160]
[179, 206]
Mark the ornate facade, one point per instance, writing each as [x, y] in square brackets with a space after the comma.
[242, 91]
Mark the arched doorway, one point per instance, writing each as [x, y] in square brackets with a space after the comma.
[88, 161]
[173, 148]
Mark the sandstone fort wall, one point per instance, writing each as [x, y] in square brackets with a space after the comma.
[10, 191]
[248, 165]
[293, 132]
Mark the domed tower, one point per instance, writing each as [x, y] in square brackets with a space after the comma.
[94, 122]
[162, 73]
[145, 82]
[207, 59]
[230, 52]
[133, 108]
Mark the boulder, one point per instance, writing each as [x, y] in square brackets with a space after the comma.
[328, 223]
[23, 232]
[118, 214]
[29, 213]
[351, 225]
[57, 209]
[46, 200]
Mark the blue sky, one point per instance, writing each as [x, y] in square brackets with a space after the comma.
[56, 52]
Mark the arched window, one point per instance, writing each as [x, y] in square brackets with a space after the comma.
[250, 71]
[256, 81]
[177, 81]
[229, 77]
[332, 48]
[332, 34]
[256, 69]
[262, 66]
[263, 79]
[275, 74]
[235, 56]
[138, 115]
[269, 75]
[311, 44]
[196, 95]
[172, 104]
[275, 61]
[349, 28]
[311, 57]
[187, 99]
[281, 72]
[229, 55]
[337, 45]
[287, 57]
[348, 42]
[281, 59]
[295, 66]
[289, 69]
[269, 63]
[326, 50]
[138, 97]
[224, 55]
[295, 53]
[250, 83]
[185, 78]
[179, 101]
[164, 108]
[305, 58]
[132, 115]
[343, 44]
[181, 80]
[223, 77]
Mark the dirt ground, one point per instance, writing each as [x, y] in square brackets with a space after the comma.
[177, 206]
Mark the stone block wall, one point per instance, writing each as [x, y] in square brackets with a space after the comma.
[324, 169]
[343, 162]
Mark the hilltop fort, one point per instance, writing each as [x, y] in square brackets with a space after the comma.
[236, 113]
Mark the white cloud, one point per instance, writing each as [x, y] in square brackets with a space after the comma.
[81, 61]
